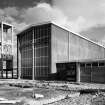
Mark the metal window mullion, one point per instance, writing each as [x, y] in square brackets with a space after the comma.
[2, 37]
[33, 76]
[2, 46]
[40, 57]
[12, 39]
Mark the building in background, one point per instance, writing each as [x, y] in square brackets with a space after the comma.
[6, 46]
[48, 51]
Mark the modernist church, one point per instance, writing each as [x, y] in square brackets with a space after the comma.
[47, 51]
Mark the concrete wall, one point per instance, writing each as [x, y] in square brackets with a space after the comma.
[83, 49]
[66, 46]
[59, 46]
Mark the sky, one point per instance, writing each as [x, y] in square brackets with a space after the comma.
[86, 17]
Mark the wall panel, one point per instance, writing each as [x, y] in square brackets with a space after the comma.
[81, 48]
[59, 47]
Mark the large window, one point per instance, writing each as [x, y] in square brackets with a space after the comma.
[41, 49]
[26, 54]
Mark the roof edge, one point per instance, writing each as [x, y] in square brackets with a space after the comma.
[32, 25]
[52, 22]
[77, 34]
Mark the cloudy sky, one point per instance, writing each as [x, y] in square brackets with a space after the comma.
[86, 17]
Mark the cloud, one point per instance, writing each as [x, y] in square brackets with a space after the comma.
[11, 11]
[86, 13]
[76, 15]
[46, 12]
[43, 12]
[12, 15]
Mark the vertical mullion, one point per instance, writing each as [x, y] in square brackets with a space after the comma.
[33, 53]
[2, 47]
[35, 32]
[40, 55]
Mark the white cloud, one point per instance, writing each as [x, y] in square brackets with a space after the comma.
[76, 15]
[91, 11]
[44, 12]
[11, 11]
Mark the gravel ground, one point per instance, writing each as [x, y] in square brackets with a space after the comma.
[86, 99]
[59, 92]
[82, 100]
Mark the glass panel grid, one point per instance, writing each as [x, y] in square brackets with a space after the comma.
[41, 49]
[26, 54]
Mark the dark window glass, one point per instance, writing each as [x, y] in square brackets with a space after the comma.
[37, 61]
[44, 41]
[44, 61]
[41, 51]
[95, 64]
[101, 63]
[37, 33]
[29, 71]
[37, 71]
[88, 65]
[29, 62]
[38, 52]
[43, 71]
[61, 66]
[37, 43]
[44, 51]
[82, 64]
